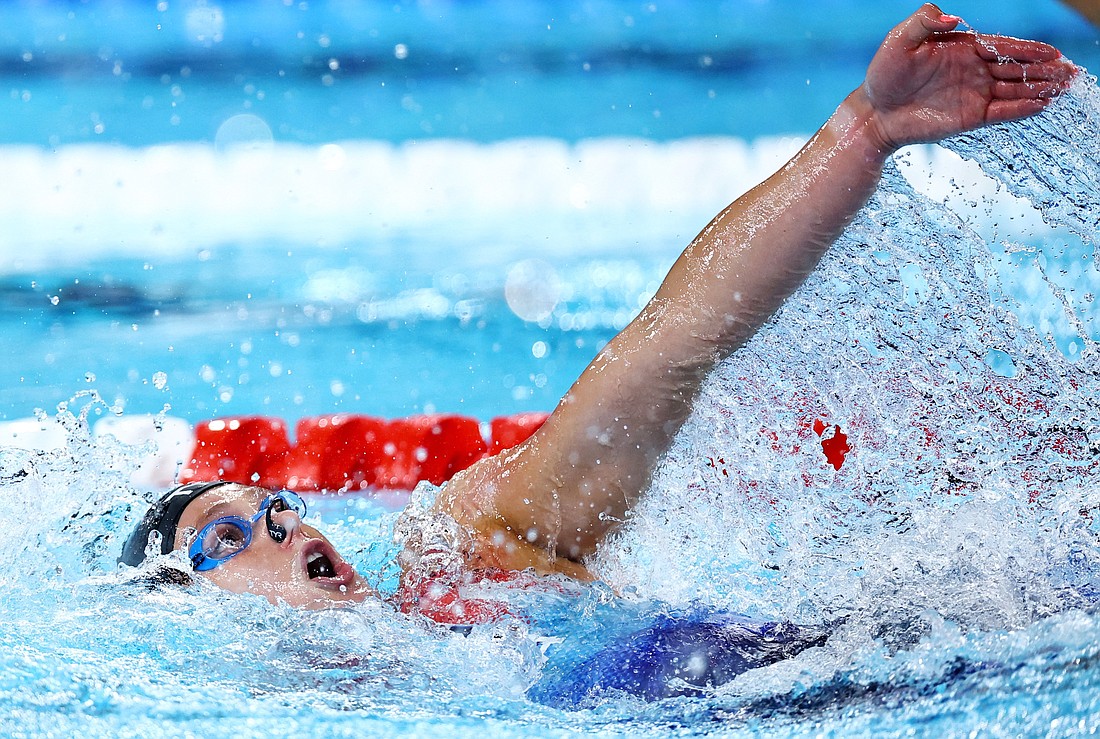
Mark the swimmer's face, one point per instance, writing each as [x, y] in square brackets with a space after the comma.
[304, 570]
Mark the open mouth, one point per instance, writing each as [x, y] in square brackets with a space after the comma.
[318, 564]
[324, 566]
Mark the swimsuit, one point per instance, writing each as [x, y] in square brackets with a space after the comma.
[675, 656]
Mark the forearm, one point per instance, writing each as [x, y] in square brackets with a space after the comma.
[587, 466]
[754, 254]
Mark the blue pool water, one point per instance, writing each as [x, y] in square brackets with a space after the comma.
[229, 195]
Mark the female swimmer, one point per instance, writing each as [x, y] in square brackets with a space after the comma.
[544, 506]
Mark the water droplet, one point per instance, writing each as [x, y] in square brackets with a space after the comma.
[244, 131]
[532, 289]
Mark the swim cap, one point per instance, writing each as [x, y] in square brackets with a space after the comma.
[163, 518]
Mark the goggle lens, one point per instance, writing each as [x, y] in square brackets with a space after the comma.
[225, 538]
[228, 536]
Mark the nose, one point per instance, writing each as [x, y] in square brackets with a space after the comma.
[283, 526]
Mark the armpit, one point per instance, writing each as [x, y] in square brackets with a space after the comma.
[493, 542]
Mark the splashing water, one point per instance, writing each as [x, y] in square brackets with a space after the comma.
[85, 643]
[72, 501]
[896, 455]
[964, 495]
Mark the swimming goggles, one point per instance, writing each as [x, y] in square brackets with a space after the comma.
[226, 537]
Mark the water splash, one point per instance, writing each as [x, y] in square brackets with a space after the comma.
[68, 504]
[970, 489]
[1058, 176]
[87, 644]
[948, 548]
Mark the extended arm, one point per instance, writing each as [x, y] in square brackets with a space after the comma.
[547, 503]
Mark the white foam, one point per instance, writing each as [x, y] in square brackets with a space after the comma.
[79, 202]
[32, 434]
[168, 443]
[172, 442]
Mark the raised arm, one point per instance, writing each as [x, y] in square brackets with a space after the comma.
[548, 503]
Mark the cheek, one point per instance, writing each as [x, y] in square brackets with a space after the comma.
[254, 575]
[232, 580]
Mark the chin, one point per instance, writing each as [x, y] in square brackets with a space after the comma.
[316, 596]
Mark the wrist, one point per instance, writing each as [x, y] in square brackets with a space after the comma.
[856, 125]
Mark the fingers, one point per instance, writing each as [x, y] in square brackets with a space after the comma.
[1015, 71]
[1000, 111]
[995, 48]
[1038, 81]
[1026, 90]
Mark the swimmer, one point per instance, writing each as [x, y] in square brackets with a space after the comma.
[544, 506]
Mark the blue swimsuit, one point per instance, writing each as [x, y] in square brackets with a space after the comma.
[675, 656]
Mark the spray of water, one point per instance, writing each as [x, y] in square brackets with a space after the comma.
[959, 498]
[968, 487]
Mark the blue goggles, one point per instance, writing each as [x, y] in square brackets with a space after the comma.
[228, 536]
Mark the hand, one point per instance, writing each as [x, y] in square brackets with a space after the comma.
[928, 81]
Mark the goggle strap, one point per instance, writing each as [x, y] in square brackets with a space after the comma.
[274, 530]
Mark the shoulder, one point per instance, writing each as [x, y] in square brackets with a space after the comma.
[470, 500]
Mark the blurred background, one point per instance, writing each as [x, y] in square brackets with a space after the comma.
[147, 73]
[141, 73]
[303, 207]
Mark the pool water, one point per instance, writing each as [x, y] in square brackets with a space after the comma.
[462, 243]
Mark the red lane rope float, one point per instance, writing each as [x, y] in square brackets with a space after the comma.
[235, 449]
[506, 432]
[346, 452]
[834, 443]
